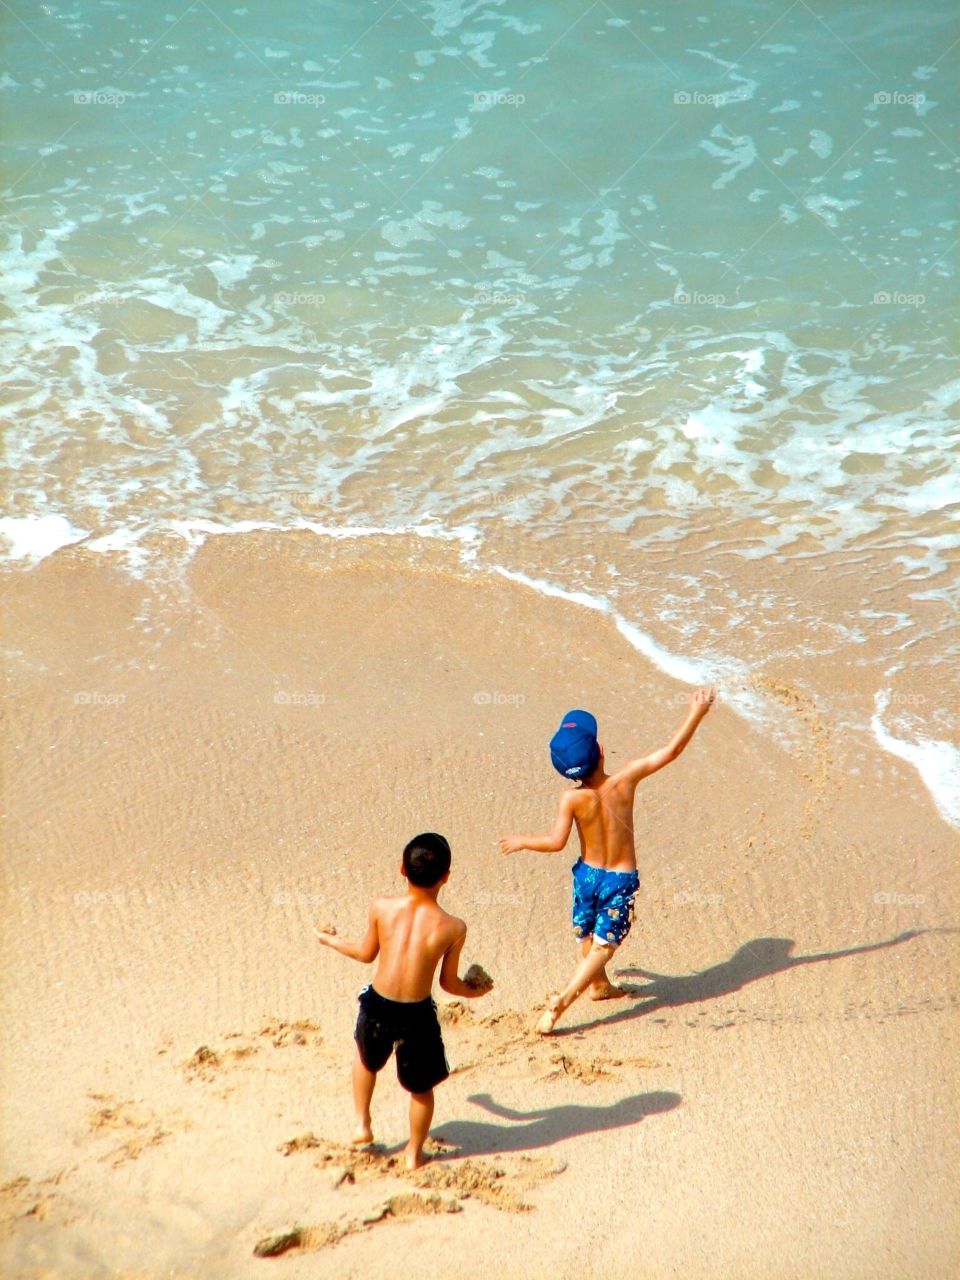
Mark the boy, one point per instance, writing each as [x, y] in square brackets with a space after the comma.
[605, 877]
[412, 935]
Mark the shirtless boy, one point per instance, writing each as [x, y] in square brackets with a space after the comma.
[412, 935]
[605, 878]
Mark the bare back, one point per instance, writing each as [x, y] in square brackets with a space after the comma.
[414, 934]
[604, 819]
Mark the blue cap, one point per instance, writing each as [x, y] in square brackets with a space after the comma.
[574, 749]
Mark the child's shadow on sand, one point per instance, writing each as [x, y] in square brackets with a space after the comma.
[544, 1128]
[759, 958]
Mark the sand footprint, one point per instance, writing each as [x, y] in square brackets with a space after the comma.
[138, 1125]
[208, 1062]
[23, 1200]
[816, 753]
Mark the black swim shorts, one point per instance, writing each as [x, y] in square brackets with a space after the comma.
[410, 1027]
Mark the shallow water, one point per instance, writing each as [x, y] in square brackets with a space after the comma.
[657, 305]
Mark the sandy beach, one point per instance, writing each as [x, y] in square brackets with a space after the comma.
[776, 1098]
[380, 382]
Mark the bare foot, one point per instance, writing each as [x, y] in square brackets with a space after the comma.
[363, 1136]
[414, 1159]
[548, 1019]
[606, 991]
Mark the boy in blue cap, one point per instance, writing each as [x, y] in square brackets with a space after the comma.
[605, 877]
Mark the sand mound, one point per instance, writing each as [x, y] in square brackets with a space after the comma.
[501, 1183]
[206, 1063]
[498, 1182]
[282, 1034]
[405, 1205]
[453, 1011]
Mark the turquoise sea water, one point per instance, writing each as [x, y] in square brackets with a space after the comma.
[578, 285]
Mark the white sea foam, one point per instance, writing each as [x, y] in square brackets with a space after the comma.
[739, 153]
[827, 207]
[937, 762]
[36, 537]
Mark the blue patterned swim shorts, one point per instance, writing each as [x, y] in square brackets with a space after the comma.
[603, 902]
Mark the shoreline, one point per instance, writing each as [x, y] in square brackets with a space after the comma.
[935, 760]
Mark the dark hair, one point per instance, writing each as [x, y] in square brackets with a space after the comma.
[426, 859]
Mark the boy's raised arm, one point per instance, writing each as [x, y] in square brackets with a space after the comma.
[366, 950]
[701, 700]
[552, 843]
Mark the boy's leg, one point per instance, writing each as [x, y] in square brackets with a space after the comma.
[421, 1066]
[601, 988]
[421, 1114]
[593, 963]
[363, 1084]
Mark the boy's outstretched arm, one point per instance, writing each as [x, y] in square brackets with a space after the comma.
[701, 700]
[364, 951]
[449, 970]
[552, 843]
